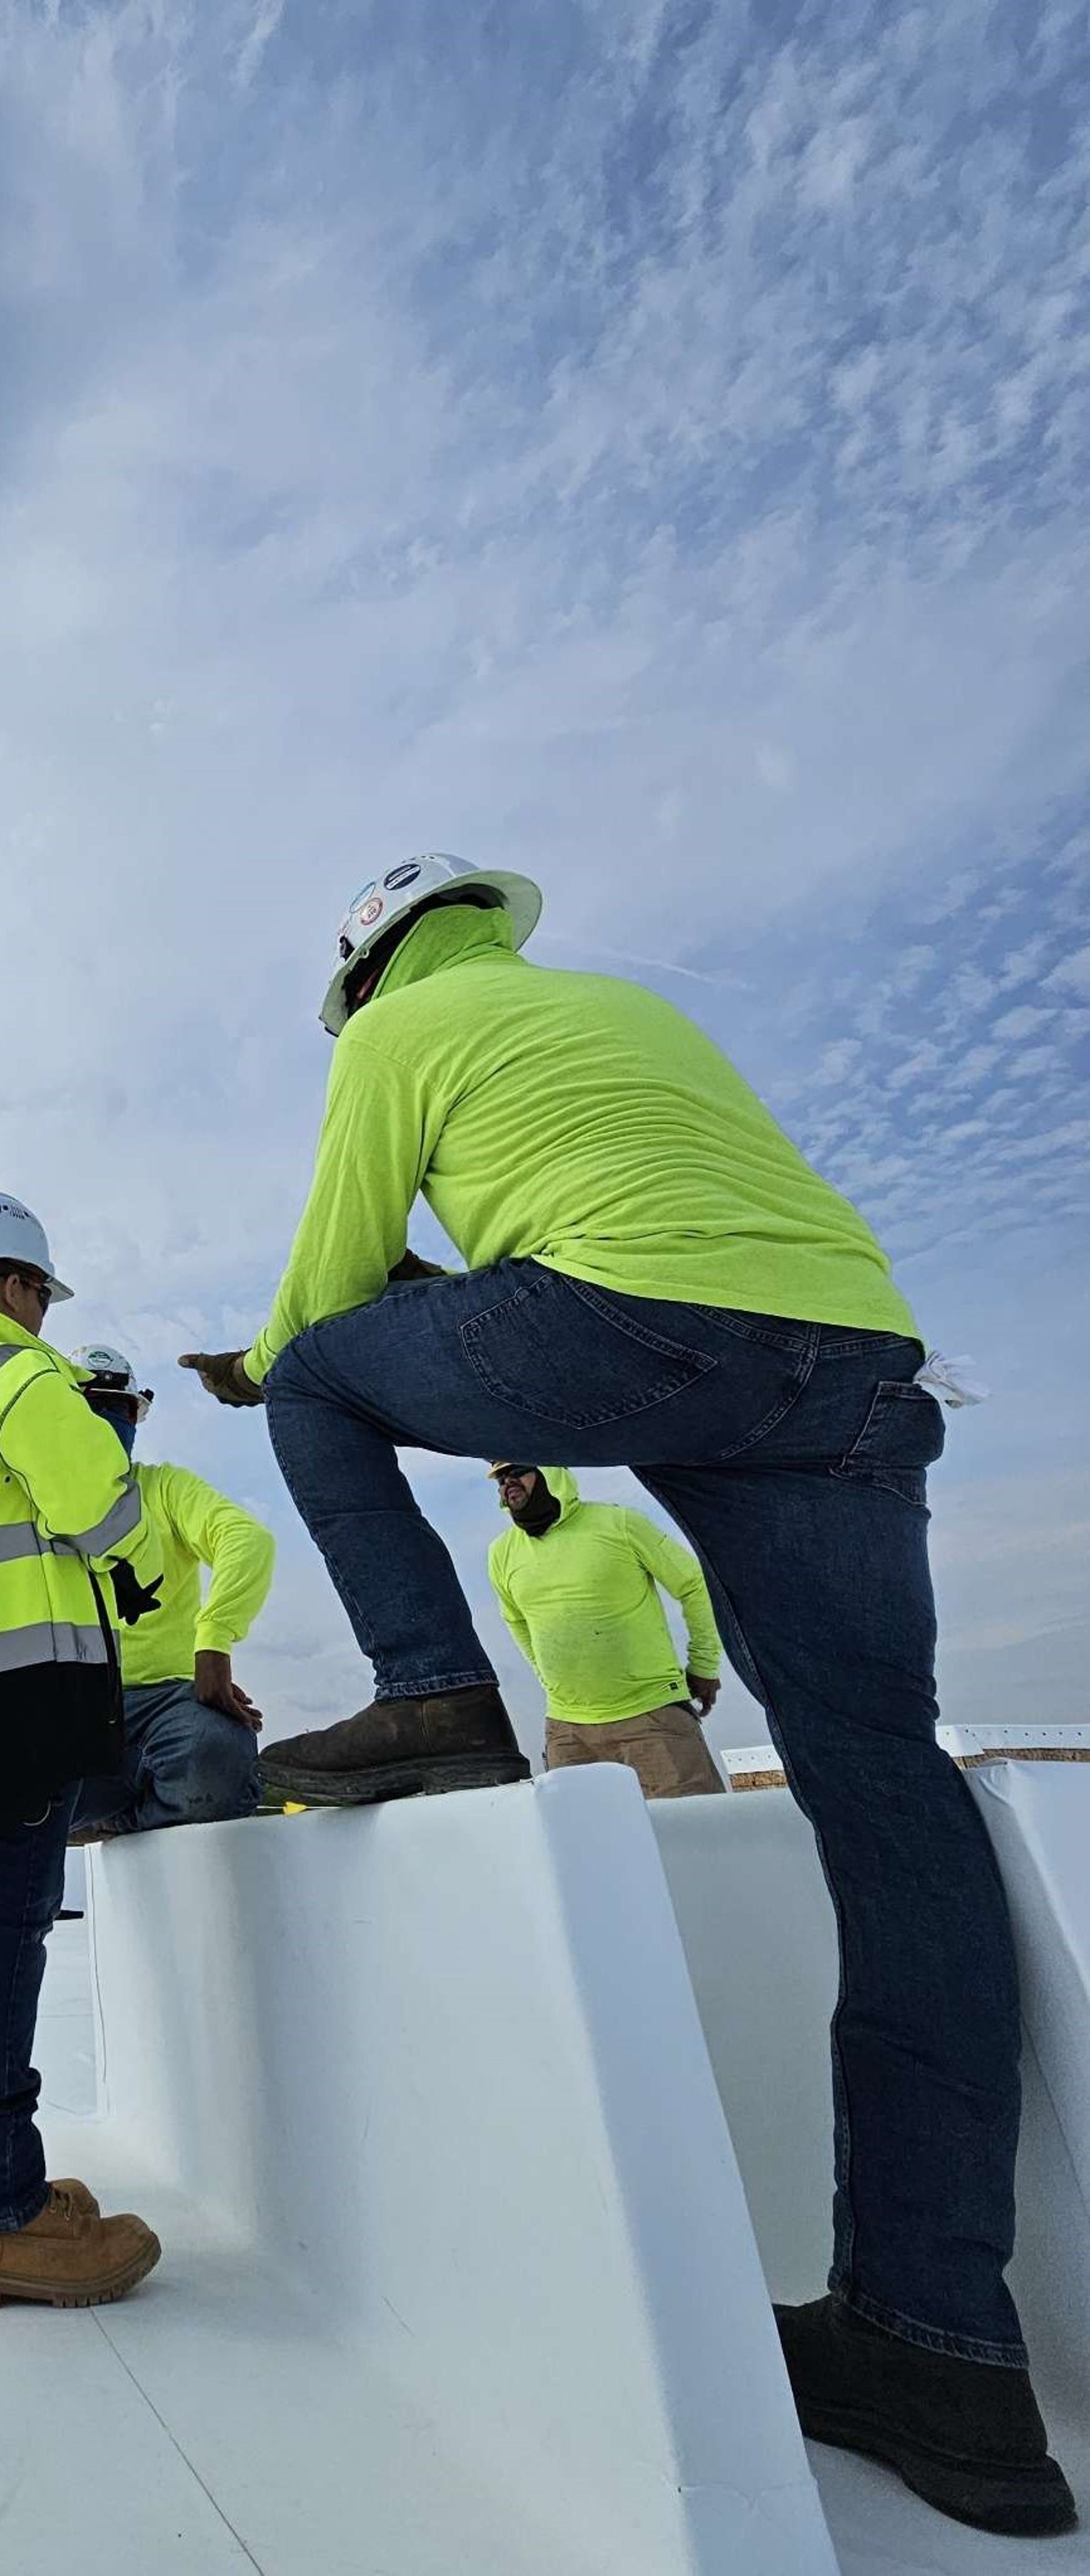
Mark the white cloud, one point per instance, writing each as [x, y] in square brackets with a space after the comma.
[1031, 1064]
[837, 1061]
[708, 534]
[1021, 1022]
[1073, 974]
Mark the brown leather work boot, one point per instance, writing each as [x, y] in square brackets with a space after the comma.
[77, 2192]
[69, 2257]
[400, 1748]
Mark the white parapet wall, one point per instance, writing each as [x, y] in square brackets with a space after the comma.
[1038, 1816]
[433, 2075]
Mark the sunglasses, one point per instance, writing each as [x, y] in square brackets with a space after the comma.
[507, 1473]
[41, 1288]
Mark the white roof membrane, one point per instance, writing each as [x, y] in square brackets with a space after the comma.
[444, 2110]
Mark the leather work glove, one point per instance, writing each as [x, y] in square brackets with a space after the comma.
[221, 1374]
[215, 1686]
[704, 1691]
[134, 1599]
[411, 1266]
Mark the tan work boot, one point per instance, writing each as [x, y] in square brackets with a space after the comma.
[78, 2194]
[69, 2257]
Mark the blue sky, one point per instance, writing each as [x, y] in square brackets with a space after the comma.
[641, 443]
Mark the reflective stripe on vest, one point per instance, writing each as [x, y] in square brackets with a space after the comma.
[22, 1539]
[51, 1641]
[121, 1519]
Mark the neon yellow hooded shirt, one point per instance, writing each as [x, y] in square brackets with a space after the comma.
[196, 1526]
[581, 1603]
[571, 1119]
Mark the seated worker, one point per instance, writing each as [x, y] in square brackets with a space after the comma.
[190, 1749]
[576, 1583]
[71, 1515]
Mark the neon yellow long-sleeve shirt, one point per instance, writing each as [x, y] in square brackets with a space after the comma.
[196, 1526]
[582, 1604]
[573, 1119]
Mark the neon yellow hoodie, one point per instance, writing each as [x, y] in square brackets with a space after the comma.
[196, 1526]
[581, 1603]
[572, 1119]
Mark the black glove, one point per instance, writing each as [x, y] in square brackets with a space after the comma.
[134, 1599]
[411, 1266]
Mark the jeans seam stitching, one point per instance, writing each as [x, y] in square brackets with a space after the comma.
[640, 1335]
[929, 2338]
[772, 1421]
[598, 1421]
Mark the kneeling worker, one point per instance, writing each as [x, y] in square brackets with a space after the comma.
[71, 1515]
[190, 1750]
[576, 1583]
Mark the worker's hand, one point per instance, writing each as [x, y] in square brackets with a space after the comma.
[134, 1599]
[411, 1266]
[216, 1687]
[221, 1374]
[704, 1692]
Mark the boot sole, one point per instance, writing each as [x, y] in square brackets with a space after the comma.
[426, 1778]
[99, 2294]
[1036, 2505]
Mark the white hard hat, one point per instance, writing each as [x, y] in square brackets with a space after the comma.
[110, 1371]
[399, 893]
[23, 1244]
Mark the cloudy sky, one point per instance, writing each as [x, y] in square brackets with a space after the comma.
[640, 441]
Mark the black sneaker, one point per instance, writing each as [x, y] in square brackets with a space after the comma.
[964, 2435]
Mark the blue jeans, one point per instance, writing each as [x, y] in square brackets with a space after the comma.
[185, 1764]
[793, 1457]
[31, 1891]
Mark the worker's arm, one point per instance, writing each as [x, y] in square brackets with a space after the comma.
[373, 1151]
[239, 1553]
[76, 1473]
[512, 1615]
[676, 1570]
[237, 1549]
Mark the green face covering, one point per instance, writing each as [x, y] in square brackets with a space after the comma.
[445, 937]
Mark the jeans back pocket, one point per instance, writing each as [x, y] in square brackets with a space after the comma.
[564, 1353]
[902, 1435]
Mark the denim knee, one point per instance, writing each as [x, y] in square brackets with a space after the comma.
[213, 1776]
[222, 1768]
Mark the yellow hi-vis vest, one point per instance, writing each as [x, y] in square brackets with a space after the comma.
[69, 1502]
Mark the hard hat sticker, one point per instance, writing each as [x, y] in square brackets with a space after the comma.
[369, 912]
[403, 876]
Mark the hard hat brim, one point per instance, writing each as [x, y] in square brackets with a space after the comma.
[522, 902]
[58, 1293]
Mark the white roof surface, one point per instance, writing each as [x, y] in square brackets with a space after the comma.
[438, 2119]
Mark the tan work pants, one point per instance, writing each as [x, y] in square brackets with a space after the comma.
[665, 1749]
